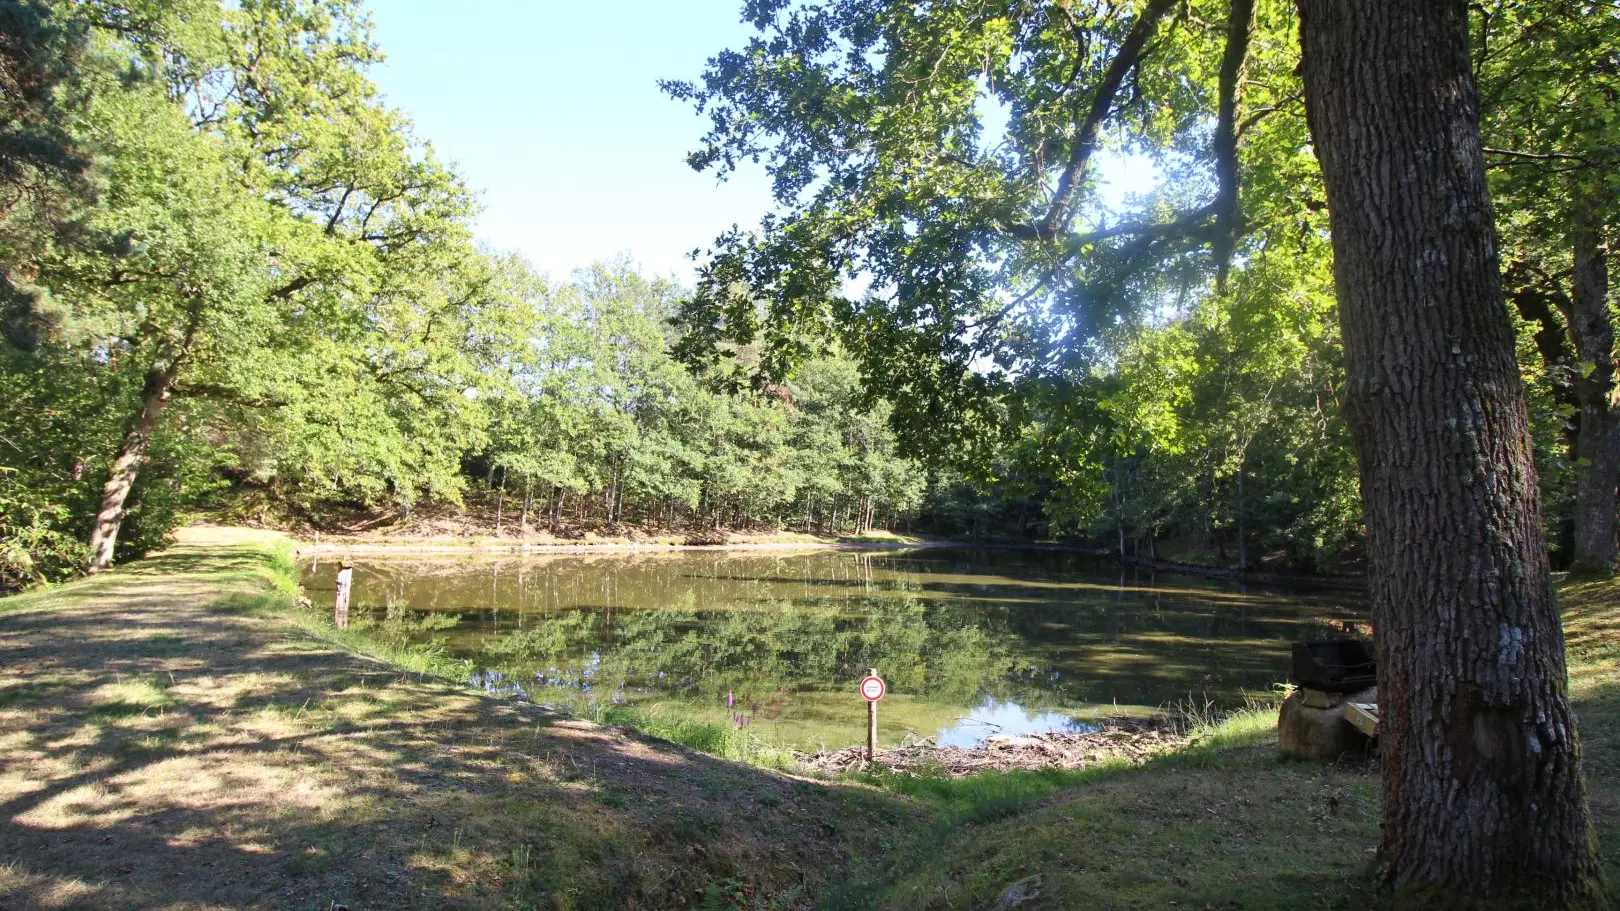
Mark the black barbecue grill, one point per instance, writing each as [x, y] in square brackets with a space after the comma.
[1336, 666]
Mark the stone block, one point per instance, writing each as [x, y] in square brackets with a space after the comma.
[1316, 733]
[1317, 699]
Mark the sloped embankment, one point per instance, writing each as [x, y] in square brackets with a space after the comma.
[170, 739]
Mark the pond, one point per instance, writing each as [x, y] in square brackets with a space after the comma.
[972, 642]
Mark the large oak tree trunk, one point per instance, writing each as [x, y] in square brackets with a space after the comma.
[155, 395]
[1597, 440]
[1483, 800]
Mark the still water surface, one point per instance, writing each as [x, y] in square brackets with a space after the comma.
[972, 642]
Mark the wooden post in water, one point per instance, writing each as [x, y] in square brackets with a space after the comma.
[871, 725]
[345, 579]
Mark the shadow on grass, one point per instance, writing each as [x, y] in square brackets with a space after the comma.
[157, 750]
[1228, 824]
[1224, 826]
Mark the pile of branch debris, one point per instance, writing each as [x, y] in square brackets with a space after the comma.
[1130, 739]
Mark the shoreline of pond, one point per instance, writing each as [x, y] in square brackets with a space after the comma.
[482, 546]
[527, 548]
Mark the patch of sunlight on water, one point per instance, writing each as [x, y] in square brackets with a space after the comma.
[1004, 719]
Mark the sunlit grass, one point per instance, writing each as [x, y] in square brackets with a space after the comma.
[881, 536]
[284, 755]
[133, 695]
[1247, 727]
[724, 741]
[1217, 822]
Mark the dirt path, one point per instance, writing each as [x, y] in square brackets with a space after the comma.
[168, 741]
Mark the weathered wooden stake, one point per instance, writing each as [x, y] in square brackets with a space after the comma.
[871, 726]
[345, 579]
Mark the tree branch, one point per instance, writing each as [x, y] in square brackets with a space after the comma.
[1536, 156]
[1195, 221]
[1260, 114]
[223, 394]
[292, 287]
[1228, 220]
[1085, 137]
[337, 211]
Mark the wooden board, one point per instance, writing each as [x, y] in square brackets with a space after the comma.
[1364, 715]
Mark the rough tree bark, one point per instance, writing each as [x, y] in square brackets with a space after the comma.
[1597, 439]
[1484, 805]
[156, 392]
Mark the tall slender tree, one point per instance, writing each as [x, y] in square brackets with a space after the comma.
[272, 250]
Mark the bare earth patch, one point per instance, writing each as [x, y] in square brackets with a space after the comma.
[168, 741]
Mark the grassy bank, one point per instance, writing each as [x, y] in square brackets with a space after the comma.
[178, 734]
[1225, 823]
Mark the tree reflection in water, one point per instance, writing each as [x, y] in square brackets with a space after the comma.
[1030, 638]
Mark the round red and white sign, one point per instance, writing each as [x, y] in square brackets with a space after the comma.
[873, 688]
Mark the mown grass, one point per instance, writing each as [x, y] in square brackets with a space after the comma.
[1223, 822]
[169, 739]
[880, 536]
[1592, 634]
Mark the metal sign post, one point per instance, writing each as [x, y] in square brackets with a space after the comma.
[872, 689]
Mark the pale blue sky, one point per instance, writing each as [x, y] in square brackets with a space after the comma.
[551, 110]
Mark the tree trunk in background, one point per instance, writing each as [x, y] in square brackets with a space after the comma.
[1119, 512]
[500, 501]
[1597, 440]
[155, 394]
[1483, 800]
[1242, 533]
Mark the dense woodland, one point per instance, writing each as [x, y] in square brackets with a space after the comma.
[1362, 320]
[235, 280]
